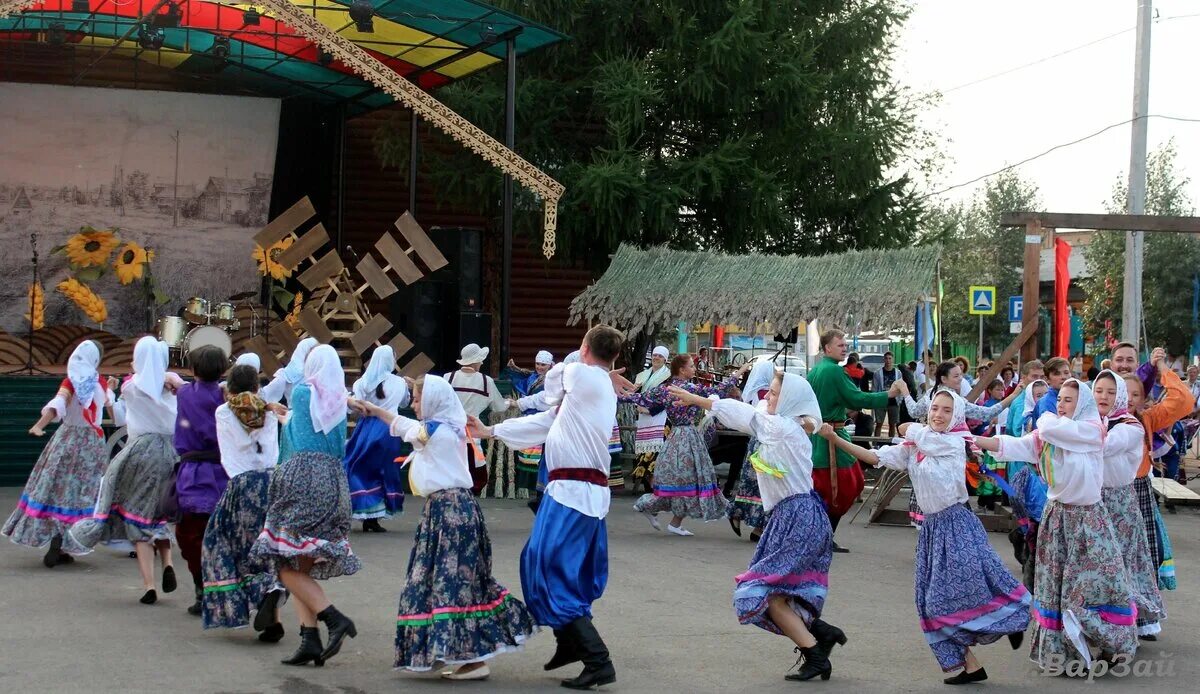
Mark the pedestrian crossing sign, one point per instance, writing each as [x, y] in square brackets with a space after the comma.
[983, 301]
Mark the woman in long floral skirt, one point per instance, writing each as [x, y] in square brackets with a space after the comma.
[129, 506]
[234, 582]
[783, 591]
[965, 595]
[452, 611]
[62, 487]
[747, 505]
[307, 528]
[376, 490]
[684, 481]
[1082, 597]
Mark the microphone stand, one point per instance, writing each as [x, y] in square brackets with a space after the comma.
[29, 368]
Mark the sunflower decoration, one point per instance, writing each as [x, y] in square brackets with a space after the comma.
[293, 318]
[91, 247]
[87, 301]
[268, 260]
[131, 262]
[36, 300]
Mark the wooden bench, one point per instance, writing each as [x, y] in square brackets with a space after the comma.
[1172, 493]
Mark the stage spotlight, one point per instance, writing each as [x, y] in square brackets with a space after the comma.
[56, 33]
[220, 47]
[169, 19]
[150, 38]
[324, 57]
[80, 6]
[250, 17]
[361, 11]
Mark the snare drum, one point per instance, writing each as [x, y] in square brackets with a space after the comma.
[207, 335]
[172, 330]
[223, 314]
[196, 310]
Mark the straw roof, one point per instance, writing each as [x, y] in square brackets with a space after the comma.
[657, 287]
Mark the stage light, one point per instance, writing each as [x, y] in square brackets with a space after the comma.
[57, 33]
[220, 47]
[169, 19]
[80, 6]
[150, 38]
[324, 57]
[251, 17]
[361, 11]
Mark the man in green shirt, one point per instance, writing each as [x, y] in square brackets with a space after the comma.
[836, 393]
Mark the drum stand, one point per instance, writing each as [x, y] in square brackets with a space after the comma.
[29, 368]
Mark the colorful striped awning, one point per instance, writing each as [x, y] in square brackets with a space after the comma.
[430, 42]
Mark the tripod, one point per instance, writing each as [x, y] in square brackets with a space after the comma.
[29, 368]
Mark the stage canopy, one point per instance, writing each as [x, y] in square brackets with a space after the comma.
[430, 42]
[657, 287]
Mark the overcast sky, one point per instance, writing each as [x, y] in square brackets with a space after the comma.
[950, 43]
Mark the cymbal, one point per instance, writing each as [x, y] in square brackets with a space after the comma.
[243, 295]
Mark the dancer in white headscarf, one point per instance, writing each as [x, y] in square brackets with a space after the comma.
[376, 489]
[129, 507]
[62, 486]
[280, 387]
[746, 507]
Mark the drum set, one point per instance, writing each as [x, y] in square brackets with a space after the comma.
[203, 324]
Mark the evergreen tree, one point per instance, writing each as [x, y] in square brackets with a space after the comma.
[758, 125]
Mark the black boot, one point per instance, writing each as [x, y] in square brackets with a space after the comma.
[965, 677]
[827, 635]
[197, 607]
[565, 653]
[54, 552]
[309, 650]
[371, 525]
[339, 626]
[272, 634]
[816, 664]
[266, 611]
[598, 668]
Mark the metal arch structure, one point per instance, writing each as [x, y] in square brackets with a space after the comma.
[376, 72]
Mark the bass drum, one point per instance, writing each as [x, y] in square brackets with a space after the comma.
[207, 336]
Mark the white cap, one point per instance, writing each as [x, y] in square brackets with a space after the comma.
[661, 351]
[544, 357]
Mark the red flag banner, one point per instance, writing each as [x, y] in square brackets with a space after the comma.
[1062, 284]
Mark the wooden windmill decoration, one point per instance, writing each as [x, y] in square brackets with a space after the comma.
[335, 313]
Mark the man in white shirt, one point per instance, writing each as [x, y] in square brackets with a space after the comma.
[564, 566]
[476, 390]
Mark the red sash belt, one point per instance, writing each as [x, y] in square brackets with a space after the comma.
[580, 474]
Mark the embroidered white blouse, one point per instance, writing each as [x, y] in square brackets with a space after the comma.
[936, 464]
[782, 444]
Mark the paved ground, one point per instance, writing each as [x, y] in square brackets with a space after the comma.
[666, 616]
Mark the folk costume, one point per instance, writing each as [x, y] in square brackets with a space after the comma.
[201, 480]
[62, 486]
[1082, 595]
[452, 610]
[1029, 499]
[287, 378]
[528, 385]
[651, 434]
[376, 487]
[746, 507]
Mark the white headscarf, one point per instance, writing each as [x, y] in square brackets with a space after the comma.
[439, 403]
[1085, 409]
[1120, 406]
[383, 363]
[1029, 403]
[572, 357]
[797, 399]
[761, 375]
[323, 373]
[249, 359]
[949, 442]
[149, 367]
[81, 371]
[544, 357]
[294, 371]
[661, 351]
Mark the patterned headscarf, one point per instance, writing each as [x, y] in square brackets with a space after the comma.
[249, 408]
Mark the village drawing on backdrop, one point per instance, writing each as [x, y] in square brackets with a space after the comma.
[167, 189]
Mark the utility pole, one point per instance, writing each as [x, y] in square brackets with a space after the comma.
[1131, 298]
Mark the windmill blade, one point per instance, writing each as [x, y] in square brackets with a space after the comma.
[288, 222]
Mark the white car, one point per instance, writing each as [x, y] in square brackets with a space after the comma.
[790, 364]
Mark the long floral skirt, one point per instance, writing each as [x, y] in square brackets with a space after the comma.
[376, 490]
[965, 595]
[234, 583]
[792, 559]
[1081, 593]
[128, 507]
[1156, 536]
[746, 506]
[1121, 505]
[61, 489]
[684, 481]
[308, 516]
[451, 608]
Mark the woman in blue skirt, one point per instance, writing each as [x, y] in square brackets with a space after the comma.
[747, 505]
[376, 490]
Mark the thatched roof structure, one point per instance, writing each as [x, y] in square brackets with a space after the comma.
[657, 287]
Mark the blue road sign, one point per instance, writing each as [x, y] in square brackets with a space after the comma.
[1016, 309]
[983, 301]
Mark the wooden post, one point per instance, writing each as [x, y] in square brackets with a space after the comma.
[1031, 290]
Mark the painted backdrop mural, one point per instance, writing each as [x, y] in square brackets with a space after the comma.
[139, 200]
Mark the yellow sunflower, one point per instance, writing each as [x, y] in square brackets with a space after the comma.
[293, 318]
[91, 247]
[87, 301]
[268, 265]
[36, 300]
[131, 261]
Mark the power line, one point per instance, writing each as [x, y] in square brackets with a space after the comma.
[1053, 149]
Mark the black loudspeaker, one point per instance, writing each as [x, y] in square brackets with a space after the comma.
[791, 338]
[475, 327]
[463, 248]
